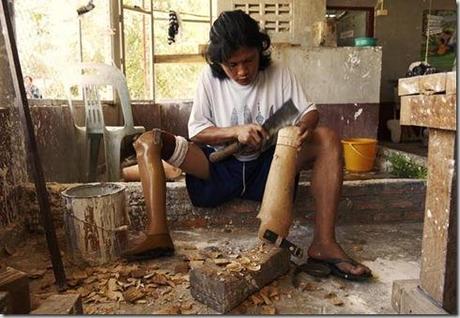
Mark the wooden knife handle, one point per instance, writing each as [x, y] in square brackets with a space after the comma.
[226, 152]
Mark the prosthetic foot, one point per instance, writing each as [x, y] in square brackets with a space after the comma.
[150, 148]
[277, 204]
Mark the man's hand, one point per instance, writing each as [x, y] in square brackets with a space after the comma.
[251, 135]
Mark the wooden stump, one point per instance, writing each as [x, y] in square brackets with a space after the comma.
[96, 222]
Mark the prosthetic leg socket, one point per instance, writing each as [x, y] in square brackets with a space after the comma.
[277, 203]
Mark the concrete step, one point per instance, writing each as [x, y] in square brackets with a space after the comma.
[367, 201]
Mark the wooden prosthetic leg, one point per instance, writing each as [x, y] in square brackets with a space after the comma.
[156, 241]
[277, 204]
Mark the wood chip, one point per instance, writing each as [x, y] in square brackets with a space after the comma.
[268, 310]
[267, 300]
[171, 310]
[36, 273]
[256, 300]
[310, 287]
[234, 267]
[182, 268]
[336, 302]
[221, 261]
[330, 295]
[244, 260]
[194, 264]
[133, 294]
[253, 268]
[79, 275]
[138, 273]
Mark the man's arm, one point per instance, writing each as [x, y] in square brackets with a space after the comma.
[251, 135]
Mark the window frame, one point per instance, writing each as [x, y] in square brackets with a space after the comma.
[118, 8]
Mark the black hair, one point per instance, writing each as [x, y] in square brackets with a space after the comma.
[231, 31]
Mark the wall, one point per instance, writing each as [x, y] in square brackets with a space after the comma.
[399, 34]
[343, 81]
[304, 18]
[13, 170]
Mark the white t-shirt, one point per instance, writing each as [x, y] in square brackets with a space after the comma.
[225, 103]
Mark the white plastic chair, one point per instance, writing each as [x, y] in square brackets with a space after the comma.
[91, 78]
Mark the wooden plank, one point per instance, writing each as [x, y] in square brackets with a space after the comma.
[435, 275]
[451, 83]
[16, 283]
[398, 289]
[425, 84]
[66, 304]
[414, 301]
[179, 58]
[436, 111]
[407, 298]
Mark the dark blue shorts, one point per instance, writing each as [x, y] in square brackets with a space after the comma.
[226, 180]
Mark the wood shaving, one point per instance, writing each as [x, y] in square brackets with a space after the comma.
[268, 310]
[336, 302]
[256, 300]
[221, 261]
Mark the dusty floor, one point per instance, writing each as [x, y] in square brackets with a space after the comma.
[161, 286]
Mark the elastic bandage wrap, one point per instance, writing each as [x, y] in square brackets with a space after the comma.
[180, 151]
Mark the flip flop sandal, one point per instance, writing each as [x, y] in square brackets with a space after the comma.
[336, 271]
[150, 254]
[313, 269]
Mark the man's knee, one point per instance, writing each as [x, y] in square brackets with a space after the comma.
[173, 148]
[328, 140]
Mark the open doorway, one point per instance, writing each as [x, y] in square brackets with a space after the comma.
[350, 23]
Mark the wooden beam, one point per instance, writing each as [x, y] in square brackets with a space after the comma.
[437, 272]
[178, 58]
[425, 84]
[436, 111]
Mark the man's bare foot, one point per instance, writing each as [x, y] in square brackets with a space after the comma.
[147, 246]
[332, 250]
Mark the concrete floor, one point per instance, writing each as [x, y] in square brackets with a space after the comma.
[392, 251]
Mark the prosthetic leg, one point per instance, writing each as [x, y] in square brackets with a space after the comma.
[277, 203]
[150, 148]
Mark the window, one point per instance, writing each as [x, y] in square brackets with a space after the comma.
[48, 40]
[156, 69]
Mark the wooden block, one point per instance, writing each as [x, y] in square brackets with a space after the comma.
[436, 111]
[437, 273]
[223, 290]
[407, 298]
[66, 304]
[425, 84]
[16, 283]
[4, 302]
[451, 83]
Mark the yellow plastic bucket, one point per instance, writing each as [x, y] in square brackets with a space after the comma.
[359, 154]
